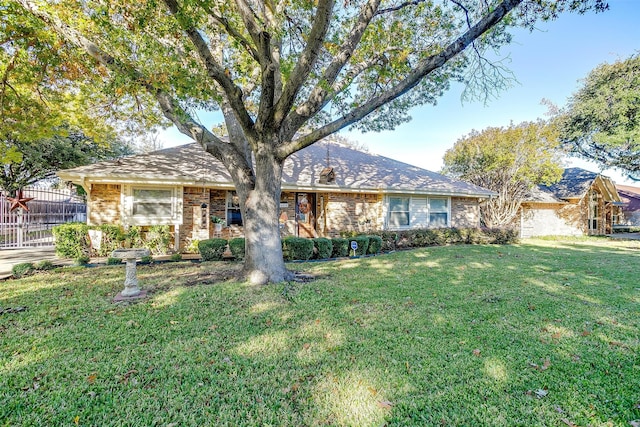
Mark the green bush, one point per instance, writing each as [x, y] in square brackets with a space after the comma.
[340, 247]
[146, 259]
[212, 249]
[112, 238]
[158, 239]
[236, 246]
[82, 260]
[322, 248]
[23, 269]
[44, 265]
[72, 240]
[501, 236]
[375, 244]
[363, 245]
[454, 235]
[133, 237]
[113, 261]
[297, 248]
[176, 257]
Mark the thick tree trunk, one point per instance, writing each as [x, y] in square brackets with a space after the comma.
[263, 250]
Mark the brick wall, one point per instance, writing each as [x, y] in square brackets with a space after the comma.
[104, 204]
[351, 212]
[465, 212]
[195, 219]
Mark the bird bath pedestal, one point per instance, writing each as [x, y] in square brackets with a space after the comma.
[131, 289]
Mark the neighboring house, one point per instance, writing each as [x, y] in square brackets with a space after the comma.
[327, 188]
[630, 196]
[581, 203]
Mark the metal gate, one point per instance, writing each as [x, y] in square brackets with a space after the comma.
[49, 207]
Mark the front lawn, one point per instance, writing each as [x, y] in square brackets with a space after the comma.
[545, 333]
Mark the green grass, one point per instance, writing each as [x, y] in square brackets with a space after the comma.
[456, 336]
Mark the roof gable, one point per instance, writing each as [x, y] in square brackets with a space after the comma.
[576, 182]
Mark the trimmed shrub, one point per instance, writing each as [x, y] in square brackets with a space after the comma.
[176, 257]
[44, 265]
[322, 248]
[363, 245]
[133, 237]
[375, 244]
[212, 249]
[236, 246]
[158, 239]
[82, 260]
[112, 238]
[72, 240]
[22, 269]
[501, 236]
[146, 259]
[113, 261]
[297, 248]
[454, 235]
[340, 247]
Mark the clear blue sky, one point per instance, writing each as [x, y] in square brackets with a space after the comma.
[548, 63]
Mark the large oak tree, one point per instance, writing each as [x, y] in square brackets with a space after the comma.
[510, 161]
[601, 121]
[286, 74]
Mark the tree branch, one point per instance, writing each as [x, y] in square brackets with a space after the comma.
[424, 67]
[216, 72]
[319, 95]
[305, 62]
[399, 7]
[223, 23]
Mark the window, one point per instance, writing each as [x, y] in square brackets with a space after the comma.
[438, 213]
[150, 203]
[234, 214]
[398, 211]
[418, 212]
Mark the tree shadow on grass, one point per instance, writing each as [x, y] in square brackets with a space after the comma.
[481, 335]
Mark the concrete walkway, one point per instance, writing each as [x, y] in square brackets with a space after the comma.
[11, 257]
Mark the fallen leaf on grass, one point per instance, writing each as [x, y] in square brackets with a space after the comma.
[540, 393]
[585, 333]
[617, 344]
[556, 336]
[385, 404]
[544, 367]
[568, 422]
[306, 346]
[477, 352]
[92, 378]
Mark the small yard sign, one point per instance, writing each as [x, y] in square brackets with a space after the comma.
[354, 246]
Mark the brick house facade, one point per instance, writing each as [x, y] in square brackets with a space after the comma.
[318, 200]
[581, 203]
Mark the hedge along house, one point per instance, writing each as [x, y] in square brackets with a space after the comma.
[581, 203]
[327, 188]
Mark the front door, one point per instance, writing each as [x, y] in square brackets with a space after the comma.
[306, 215]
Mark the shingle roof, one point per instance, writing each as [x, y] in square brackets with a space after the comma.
[574, 183]
[354, 170]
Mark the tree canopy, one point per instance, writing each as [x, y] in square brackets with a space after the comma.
[285, 74]
[509, 161]
[601, 121]
[40, 159]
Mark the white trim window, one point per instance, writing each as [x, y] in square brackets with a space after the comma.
[399, 213]
[438, 212]
[404, 212]
[152, 202]
[145, 205]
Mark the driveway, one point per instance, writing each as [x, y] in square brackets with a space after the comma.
[11, 257]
